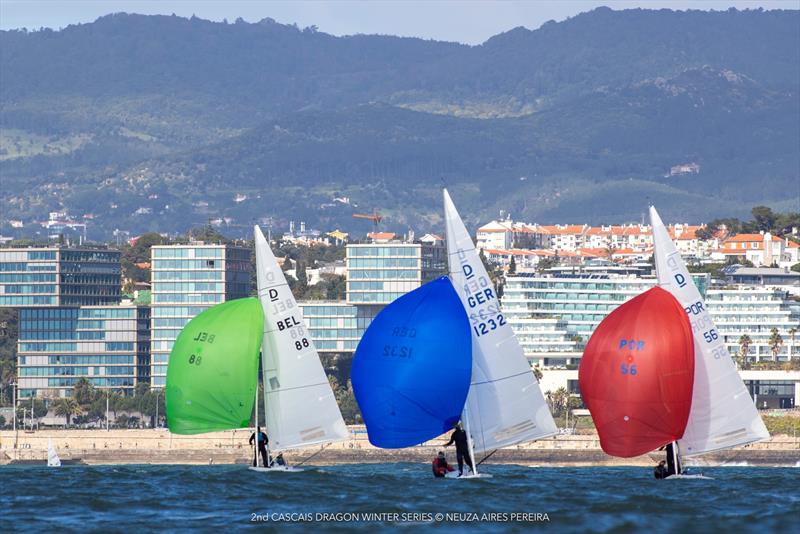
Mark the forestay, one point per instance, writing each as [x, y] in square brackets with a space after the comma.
[300, 407]
[505, 404]
[723, 414]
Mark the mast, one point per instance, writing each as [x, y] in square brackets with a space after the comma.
[255, 428]
[263, 367]
[465, 417]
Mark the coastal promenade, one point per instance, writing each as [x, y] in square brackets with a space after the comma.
[159, 446]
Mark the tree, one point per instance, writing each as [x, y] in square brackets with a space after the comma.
[744, 350]
[84, 392]
[2, 421]
[775, 343]
[67, 407]
[763, 219]
[39, 408]
[122, 421]
[537, 372]
[512, 266]
[792, 334]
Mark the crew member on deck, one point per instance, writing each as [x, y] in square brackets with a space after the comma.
[263, 441]
[660, 472]
[459, 437]
[440, 466]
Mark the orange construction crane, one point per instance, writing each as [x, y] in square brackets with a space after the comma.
[375, 217]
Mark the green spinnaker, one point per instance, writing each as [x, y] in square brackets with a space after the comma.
[213, 369]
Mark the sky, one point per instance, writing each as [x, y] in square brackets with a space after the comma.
[465, 21]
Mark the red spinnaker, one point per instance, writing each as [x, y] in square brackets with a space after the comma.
[637, 374]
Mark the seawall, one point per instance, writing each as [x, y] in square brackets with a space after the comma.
[159, 446]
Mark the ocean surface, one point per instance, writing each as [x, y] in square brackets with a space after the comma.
[405, 497]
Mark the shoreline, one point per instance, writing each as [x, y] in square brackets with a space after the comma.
[159, 446]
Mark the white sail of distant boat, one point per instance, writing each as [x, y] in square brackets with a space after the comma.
[505, 405]
[723, 414]
[52, 456]
[299, 404]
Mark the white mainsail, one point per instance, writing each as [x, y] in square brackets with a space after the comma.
[505, 405]
[723, 415]
[300, 407]
[52, 456]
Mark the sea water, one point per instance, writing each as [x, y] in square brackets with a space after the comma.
[370, 498]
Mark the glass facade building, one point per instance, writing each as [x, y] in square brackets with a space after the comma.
[755, 312]
[335, 326]
[378, 273]
[185, 280]
[108, 345]
[59, 276]
[554, 315]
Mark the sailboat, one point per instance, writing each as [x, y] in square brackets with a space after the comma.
[723, 414]
[299, 404]
[505, 405]
[411, 370]
[212, 376]
[52, 456]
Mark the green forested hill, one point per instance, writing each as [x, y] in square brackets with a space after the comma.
[578, 120]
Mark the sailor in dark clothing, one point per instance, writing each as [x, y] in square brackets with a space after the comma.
[263, 441]
[660, 472]
[440, 466]
[459, 437]
[673, 463]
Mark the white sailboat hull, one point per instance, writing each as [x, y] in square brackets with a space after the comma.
[277, 469]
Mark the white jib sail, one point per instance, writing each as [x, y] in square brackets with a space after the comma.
[723, 414]
[301, 409]
[505, 403]
[52, 456]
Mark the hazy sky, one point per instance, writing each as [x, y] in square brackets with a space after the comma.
[455, 20]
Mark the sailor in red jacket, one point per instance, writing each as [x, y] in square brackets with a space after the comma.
[440, 466]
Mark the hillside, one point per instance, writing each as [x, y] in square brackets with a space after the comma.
[578, 120]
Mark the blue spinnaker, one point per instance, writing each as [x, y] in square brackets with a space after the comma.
[412, 369]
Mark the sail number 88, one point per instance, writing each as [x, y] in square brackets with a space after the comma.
[300, 344]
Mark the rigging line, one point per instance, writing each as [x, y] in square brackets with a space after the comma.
[310, 457]
[488, 456]
[280, 390]
[503, 378]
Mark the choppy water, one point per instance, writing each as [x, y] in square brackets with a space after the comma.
[623, 499]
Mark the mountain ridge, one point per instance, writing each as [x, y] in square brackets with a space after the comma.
[168, 114]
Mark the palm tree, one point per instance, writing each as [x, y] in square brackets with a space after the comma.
[537, 372]
[68, 407]
[792, 333]
[775, 343]
[7, 375]
[744, 350]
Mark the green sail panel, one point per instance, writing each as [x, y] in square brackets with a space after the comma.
[213, 369]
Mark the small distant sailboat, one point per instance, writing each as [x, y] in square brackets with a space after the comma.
[52, 455]
[412, 367]
[505, 405]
